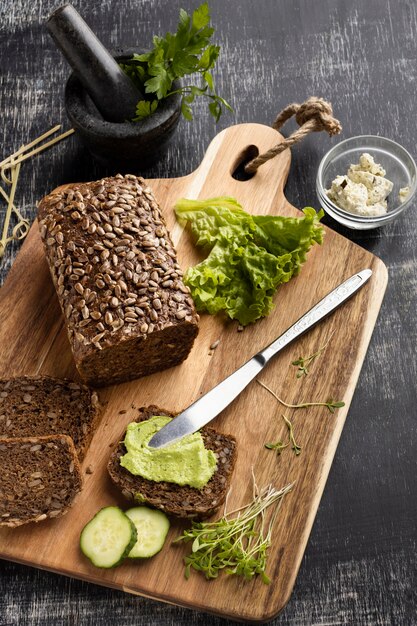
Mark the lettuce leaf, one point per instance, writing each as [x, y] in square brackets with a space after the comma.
[249, 255]
[217, 219]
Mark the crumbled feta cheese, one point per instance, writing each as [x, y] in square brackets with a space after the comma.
[367, 164]
[363, 190]
[403, 194]
[381, 188]
[347, 194]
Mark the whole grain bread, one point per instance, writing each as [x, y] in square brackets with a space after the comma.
[115, 269]
[180, 501]
[39, 478]
[32, 406]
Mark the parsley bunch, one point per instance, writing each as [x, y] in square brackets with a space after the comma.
[174, 56]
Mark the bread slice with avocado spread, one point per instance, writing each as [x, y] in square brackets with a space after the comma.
[181, 501]
[39, 478]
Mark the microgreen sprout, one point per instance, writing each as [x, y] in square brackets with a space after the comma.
[237, 544]
[294, 444]
[330, 404]
[279, 445]
[303, 363]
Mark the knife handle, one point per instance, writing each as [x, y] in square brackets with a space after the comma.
[330, 302]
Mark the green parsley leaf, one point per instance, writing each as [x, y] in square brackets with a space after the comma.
[215, 110]
[186, 111]
[201, 16]
[160, 83]
[209, 80]
[208, 58]
[145, 108]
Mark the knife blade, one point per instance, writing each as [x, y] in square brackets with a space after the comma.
[213, 402]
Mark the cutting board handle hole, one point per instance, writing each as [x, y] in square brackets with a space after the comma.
[238, 169]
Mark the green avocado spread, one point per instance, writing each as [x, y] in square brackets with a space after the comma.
[185, 462]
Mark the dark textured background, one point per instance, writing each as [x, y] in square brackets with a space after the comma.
[360, 561]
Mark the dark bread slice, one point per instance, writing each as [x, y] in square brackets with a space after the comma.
[184, 502]
[34, 406]
[39, 478]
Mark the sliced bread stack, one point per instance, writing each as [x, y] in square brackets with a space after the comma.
[176, 500]
[46, 425]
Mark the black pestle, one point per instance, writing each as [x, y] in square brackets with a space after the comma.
[111, 90]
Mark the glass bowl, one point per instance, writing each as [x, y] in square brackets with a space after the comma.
[400, 169]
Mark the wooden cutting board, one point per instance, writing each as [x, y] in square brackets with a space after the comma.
[33, 341]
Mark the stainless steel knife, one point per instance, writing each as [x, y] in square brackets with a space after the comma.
[212, 403]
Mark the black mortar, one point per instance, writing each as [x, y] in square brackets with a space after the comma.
[125, 145]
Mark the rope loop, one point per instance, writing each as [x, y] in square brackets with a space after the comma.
[313, 115]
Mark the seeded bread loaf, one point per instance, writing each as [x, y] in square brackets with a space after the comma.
[120, 287]
[180, 501]
[39, 478]
[32, 406]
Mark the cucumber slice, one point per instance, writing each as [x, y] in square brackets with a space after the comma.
[108, 538]
[152, 528]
